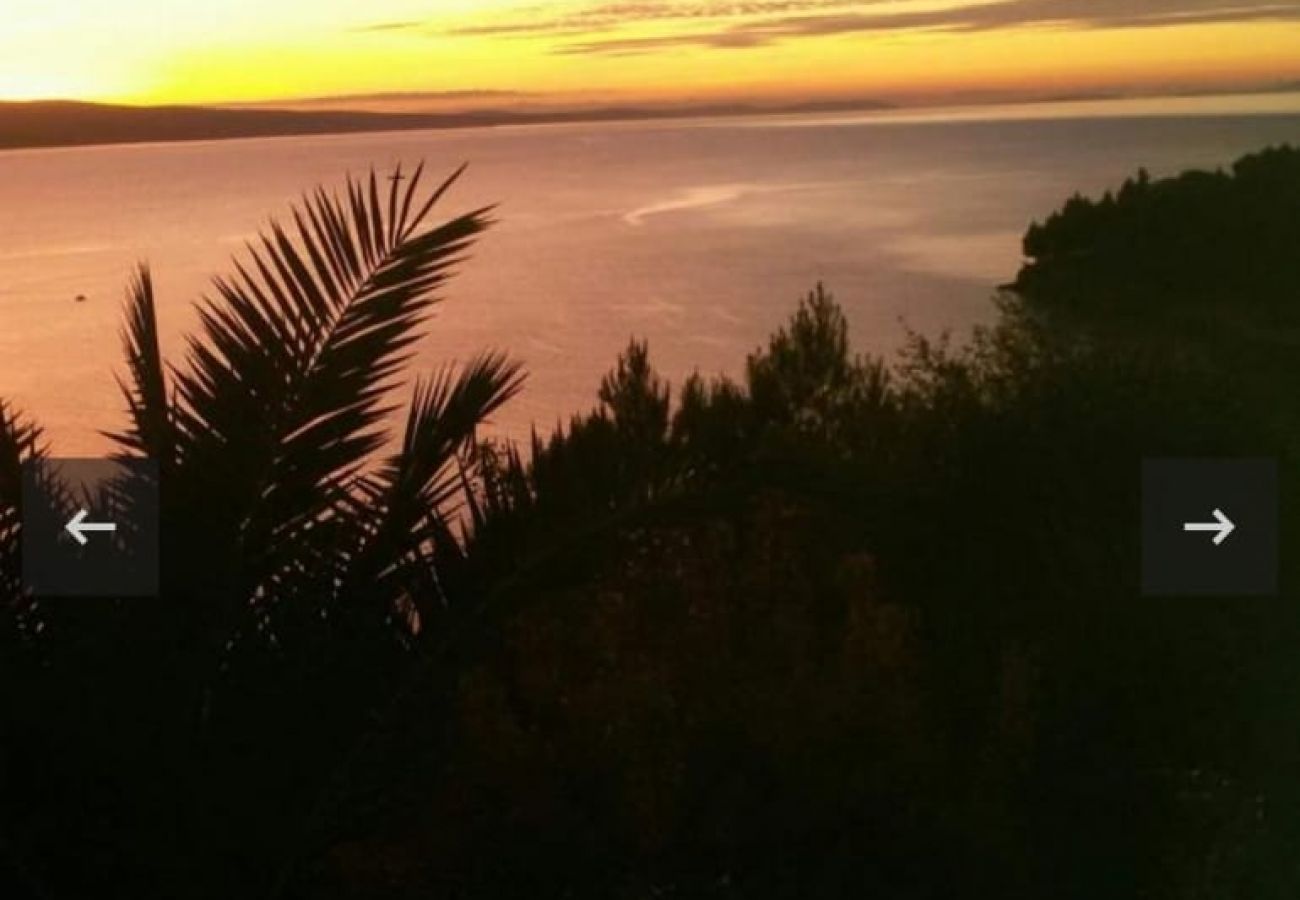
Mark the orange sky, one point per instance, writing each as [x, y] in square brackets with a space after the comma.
[163, 51]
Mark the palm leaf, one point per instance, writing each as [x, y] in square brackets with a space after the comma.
[415, 489]
[280, 402]
[19, 442]
[151, 433]
[22, 447]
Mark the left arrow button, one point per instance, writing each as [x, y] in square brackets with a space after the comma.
[90, 527]
[78, 527]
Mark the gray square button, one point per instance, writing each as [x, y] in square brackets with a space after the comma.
[90, 528]
[1209, 527]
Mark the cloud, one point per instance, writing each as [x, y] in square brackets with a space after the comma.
[506, 29]
[741, 24]
[410, 98]
[607, 16]
[982, 16]
[388, 26]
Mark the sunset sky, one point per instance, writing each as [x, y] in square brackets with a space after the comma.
[483, 51]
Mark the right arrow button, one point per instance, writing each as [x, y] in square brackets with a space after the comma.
[1209, 527]
[1221, 528]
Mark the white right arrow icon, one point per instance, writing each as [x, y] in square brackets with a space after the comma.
[1222, 528]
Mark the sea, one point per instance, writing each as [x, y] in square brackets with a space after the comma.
[696, 235]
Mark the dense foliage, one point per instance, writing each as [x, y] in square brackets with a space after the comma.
[1218, 244]
[840, 627]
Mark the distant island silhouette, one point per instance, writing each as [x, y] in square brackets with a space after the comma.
[71, 123]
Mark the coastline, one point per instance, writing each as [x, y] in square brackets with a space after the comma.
[57, 125]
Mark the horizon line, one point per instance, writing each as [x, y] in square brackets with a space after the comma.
[572, 102]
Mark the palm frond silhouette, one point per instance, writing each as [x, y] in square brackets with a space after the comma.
[299, 541]
[21, 441]
[267, 436]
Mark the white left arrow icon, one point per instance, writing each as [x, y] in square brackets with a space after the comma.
[78, 527]
[1222, 527]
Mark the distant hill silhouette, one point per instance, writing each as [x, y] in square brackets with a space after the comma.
[1225, 238]
[69, 123]
[65, 123]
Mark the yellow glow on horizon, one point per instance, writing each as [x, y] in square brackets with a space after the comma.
[38, 86]
[165, 51]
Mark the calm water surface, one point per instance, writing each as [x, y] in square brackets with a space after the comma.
[699, 236]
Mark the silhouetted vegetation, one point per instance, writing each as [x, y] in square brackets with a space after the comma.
[1220, 243]
[839, 627]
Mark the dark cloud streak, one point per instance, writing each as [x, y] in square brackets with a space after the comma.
[387, 26]
[744, 24]
[987, 16]
[612, 15]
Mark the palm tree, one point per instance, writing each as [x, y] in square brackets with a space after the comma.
[267, 436]
[287, 514]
